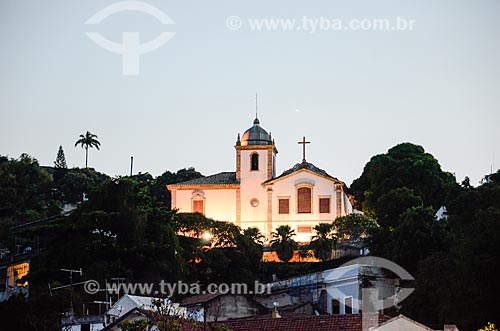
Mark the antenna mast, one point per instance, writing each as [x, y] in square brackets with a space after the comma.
[256, 104]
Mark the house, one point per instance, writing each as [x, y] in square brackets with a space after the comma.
[142, 314]
[84, 323]
[345, 288]
[402, 322]
[128, 302]
[335, 291]
[12, 270]
[220, 307]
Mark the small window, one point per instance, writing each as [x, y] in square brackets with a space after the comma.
[304, 229]
[85, 327]
[324, 205]
[198, 206]
[348, 305]
[304, 200]
[254, 162]
[335, 307]
[198, 203]
[284, 206]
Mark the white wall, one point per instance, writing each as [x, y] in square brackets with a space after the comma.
[251, 187]
[287, 187]
[219, 204]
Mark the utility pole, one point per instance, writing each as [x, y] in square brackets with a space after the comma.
[120, 281]
[71, 272]
[131, 164]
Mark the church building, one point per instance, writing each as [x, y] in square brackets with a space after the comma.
[254, 196]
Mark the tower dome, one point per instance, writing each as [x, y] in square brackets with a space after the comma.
[256, 135]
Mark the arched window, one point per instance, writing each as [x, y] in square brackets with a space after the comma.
[304, 199]
[198, 203]
[254, 161]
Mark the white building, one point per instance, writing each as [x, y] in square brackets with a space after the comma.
[254, 196]
[128, 302]
[338, 291]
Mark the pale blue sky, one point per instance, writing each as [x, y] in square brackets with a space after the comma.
[358, 92]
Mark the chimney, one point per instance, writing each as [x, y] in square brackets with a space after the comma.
[275, 313]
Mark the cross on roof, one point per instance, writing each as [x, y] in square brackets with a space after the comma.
[303, 143]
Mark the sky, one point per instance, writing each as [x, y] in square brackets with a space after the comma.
[353, 92]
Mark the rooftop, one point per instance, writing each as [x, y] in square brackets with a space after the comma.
[222, 178]
[300, 323]
[304, 166]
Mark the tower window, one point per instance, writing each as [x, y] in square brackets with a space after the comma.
[254, 161]
[304, 200]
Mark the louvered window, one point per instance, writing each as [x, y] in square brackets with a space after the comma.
[284, 206]
[324, 205]
[304, 200]
[198, 206]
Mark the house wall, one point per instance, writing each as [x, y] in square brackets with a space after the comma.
[220, 204]
[231, 306]
[401, 324]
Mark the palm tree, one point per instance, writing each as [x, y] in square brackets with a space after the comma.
[324, 241]
[304, 253]
[283, 243]
[87, 141]
[254, 235]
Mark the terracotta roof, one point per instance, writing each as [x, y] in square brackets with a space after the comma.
[221, 178]
[300, 323]
[307, 166]
[199, 299]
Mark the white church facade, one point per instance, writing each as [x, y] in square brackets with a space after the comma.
[254, 196]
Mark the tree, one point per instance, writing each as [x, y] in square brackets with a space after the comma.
[354, 226]
[89, 140]
[459, 282]
[60, 161]
[404, 165]
[160, 192]
[403, 178]
[466, 182]
[324, 241]
[25, 190]
[283, 243]
[254, 235]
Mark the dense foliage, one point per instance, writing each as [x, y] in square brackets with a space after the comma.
[123, 227]
[453, 258]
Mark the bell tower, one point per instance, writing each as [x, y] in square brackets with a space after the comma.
[255, 164]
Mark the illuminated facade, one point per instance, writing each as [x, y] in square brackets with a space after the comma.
[253, 196]
[10, 279]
